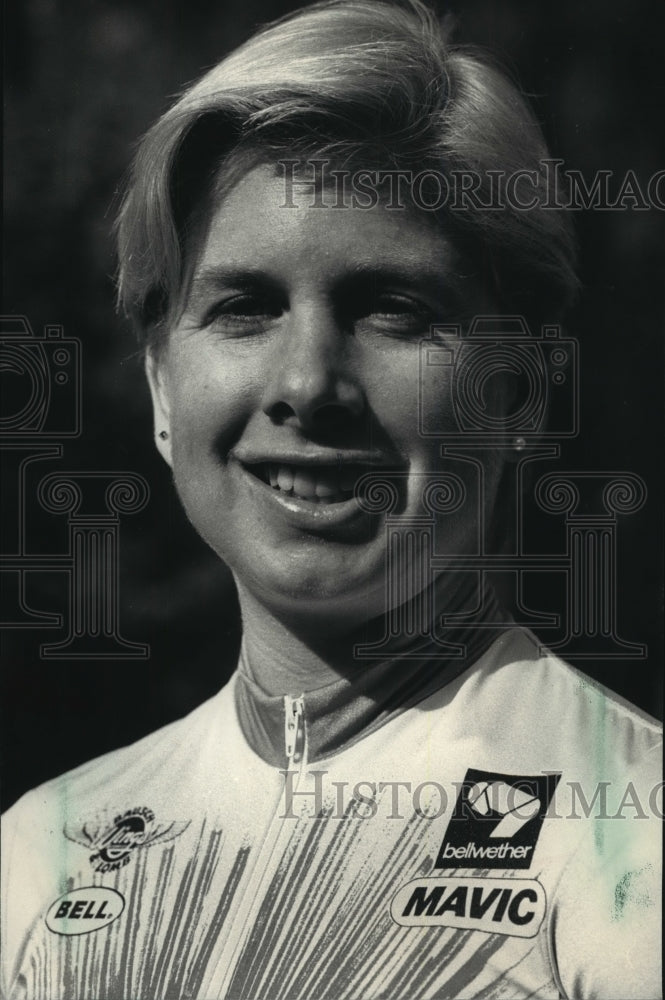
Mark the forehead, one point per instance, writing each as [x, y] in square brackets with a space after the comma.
[254, 223]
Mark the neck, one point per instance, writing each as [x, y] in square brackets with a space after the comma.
[286, 658]
[290, 659]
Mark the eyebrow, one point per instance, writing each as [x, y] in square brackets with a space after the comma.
[420, 273]
[431, 277]
[213, 278]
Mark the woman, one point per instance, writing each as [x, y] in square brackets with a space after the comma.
[369, 808]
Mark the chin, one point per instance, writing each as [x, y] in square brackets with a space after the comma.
[295, 595]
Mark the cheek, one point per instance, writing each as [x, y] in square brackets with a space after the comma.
[425, 417]
[418, 405]
[210, 406]
[436, 412]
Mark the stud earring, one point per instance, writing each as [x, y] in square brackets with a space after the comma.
[163, 435]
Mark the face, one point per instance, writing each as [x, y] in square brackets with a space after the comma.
[292, 372]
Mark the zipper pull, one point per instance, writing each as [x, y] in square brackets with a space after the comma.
[294, 710]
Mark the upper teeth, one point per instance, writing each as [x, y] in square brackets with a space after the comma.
[316, 483]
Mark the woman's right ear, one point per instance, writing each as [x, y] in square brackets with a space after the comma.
[161, 408]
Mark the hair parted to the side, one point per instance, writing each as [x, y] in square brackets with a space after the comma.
[365, 82]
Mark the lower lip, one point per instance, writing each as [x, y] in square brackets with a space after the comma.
[304, 513]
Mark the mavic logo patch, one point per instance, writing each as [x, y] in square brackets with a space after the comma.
[496, 821]
[511, 906]
[114, 840]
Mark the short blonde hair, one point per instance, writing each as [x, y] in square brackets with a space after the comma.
[357, 81]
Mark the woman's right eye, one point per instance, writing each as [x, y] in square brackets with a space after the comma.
[244, 308]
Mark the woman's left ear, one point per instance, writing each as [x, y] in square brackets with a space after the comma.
[161, 406]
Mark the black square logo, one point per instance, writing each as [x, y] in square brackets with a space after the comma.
[497, 820]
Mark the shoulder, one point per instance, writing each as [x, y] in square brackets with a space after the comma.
[150, 790]
[159, 765]
[521, 689]
[599, 848]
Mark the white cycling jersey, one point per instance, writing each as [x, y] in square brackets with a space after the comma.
[498, 838]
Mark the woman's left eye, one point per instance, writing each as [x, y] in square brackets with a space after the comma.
[396, 312]
[396, 305]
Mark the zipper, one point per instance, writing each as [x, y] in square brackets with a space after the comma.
[295, 744]
[294, 726]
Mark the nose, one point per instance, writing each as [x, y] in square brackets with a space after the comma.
[312, 383]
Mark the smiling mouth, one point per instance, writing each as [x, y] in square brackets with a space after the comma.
[319, 484]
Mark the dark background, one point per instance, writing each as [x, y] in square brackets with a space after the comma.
[83, 81]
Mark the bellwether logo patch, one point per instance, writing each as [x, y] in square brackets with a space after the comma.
[114, 839]
[511, 906]
[496, 821]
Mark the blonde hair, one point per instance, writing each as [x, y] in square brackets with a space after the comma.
[358, 81]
